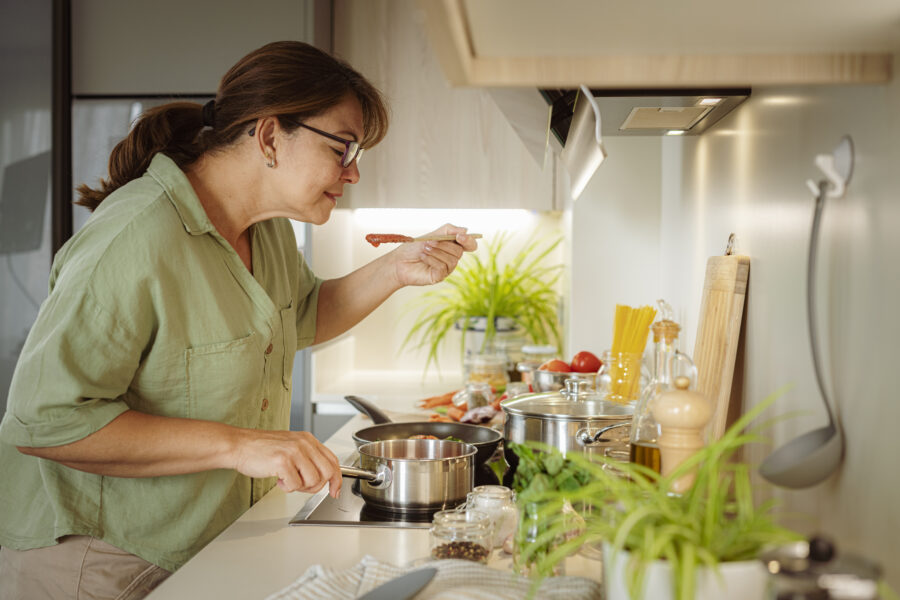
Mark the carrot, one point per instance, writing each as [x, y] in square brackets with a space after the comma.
[441, 400]
[455, 413]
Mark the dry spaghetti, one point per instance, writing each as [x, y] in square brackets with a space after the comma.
[632, 326]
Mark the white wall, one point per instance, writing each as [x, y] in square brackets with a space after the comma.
[615, 245]
[374, 346]
[747, 176]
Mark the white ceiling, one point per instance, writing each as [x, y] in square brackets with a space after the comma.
[568, 28]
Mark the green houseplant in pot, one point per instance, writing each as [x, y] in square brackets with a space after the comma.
[520, 291]
[699, 543]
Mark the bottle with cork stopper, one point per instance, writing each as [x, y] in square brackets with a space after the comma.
[682, 416]
[668, 363]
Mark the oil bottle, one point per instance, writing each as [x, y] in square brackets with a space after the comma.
[668, 363]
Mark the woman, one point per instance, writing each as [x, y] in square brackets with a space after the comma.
[150, 405]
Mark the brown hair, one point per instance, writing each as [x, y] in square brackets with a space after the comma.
[282, 78]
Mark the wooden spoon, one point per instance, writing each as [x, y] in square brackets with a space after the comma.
[443, 238]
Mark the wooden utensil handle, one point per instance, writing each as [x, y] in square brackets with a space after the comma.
[443, 238]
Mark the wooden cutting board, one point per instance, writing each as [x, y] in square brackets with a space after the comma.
[718, 333]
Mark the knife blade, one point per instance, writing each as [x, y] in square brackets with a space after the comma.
[403, 587]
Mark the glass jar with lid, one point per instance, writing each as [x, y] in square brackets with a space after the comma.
[489, 368]
[464, 534]
[474, 395]
[498, 502]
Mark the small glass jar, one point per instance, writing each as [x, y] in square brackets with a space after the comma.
[464, 534]
[473, 396]
[498, 502]
[514, 389]
[489, 368]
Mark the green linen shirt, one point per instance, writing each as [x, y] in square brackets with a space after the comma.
[151, 309]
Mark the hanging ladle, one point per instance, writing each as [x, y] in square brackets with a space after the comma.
[812, 457]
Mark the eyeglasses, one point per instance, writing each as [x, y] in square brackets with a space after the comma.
[352, 149]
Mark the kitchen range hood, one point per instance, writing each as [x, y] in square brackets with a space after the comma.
[537, 113]
[646, 112]
[561, 119]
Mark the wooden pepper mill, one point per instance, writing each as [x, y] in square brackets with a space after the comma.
[682, 415]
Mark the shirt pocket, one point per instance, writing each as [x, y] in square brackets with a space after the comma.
[224, 381]
[289, 337]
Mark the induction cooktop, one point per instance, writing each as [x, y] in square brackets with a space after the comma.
[350, 510]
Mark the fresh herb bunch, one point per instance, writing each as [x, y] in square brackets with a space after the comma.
[632, 507]
[522, 290]
[543, 469]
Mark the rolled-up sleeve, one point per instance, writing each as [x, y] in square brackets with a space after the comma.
[75, 366]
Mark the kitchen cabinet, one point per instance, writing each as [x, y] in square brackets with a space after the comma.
[446, 147]
[648, 43]
[176, 47]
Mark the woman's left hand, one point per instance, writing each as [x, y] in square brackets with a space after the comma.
[425, 263]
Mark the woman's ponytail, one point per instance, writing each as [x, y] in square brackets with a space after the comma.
[172, 128]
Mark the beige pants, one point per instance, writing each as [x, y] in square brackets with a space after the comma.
[78, 568]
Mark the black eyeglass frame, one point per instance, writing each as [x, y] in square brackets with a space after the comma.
[352, 149]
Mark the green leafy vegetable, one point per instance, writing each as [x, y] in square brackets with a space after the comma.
[633, 508]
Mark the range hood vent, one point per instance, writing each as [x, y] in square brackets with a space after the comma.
[646, 112]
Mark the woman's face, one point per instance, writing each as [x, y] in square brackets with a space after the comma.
[308, 177]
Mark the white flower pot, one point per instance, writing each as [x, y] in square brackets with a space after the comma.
[744, 580]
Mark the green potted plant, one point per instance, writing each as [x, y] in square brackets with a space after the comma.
[520, 292]
[692, 540]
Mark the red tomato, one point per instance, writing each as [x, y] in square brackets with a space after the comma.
[585, 362]
[555, 365]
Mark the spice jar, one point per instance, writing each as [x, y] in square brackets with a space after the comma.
[489, 368]
[498, 503]
[473, 396]
[464, 534]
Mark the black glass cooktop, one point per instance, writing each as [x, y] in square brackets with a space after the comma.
[350, 510]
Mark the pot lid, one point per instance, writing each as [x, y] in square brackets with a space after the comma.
[555, 406]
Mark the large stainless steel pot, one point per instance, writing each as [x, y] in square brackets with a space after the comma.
[410, 476]
[574, 420]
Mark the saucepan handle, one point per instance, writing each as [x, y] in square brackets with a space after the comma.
[380, 478]
[586, 437]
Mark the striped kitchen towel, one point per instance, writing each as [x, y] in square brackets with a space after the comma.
[455, 580]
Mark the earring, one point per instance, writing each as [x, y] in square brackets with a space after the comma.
[270, 161]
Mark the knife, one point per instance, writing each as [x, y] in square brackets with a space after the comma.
[403, 587]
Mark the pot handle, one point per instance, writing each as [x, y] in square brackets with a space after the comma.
[367, 408]
[380, 478]
[586, 438]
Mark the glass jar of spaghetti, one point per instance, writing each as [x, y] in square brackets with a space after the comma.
[620, 378]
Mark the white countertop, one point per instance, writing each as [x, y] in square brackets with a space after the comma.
[396, 391]
[260, 553]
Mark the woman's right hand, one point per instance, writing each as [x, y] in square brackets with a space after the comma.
[299, 461]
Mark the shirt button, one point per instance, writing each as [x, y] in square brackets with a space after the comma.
[265, 403]
[269, 349]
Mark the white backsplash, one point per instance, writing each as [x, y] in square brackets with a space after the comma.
[645, 226]
[374, 346]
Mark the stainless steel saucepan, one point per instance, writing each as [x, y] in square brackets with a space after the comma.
[410, 476]
[576, 419]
